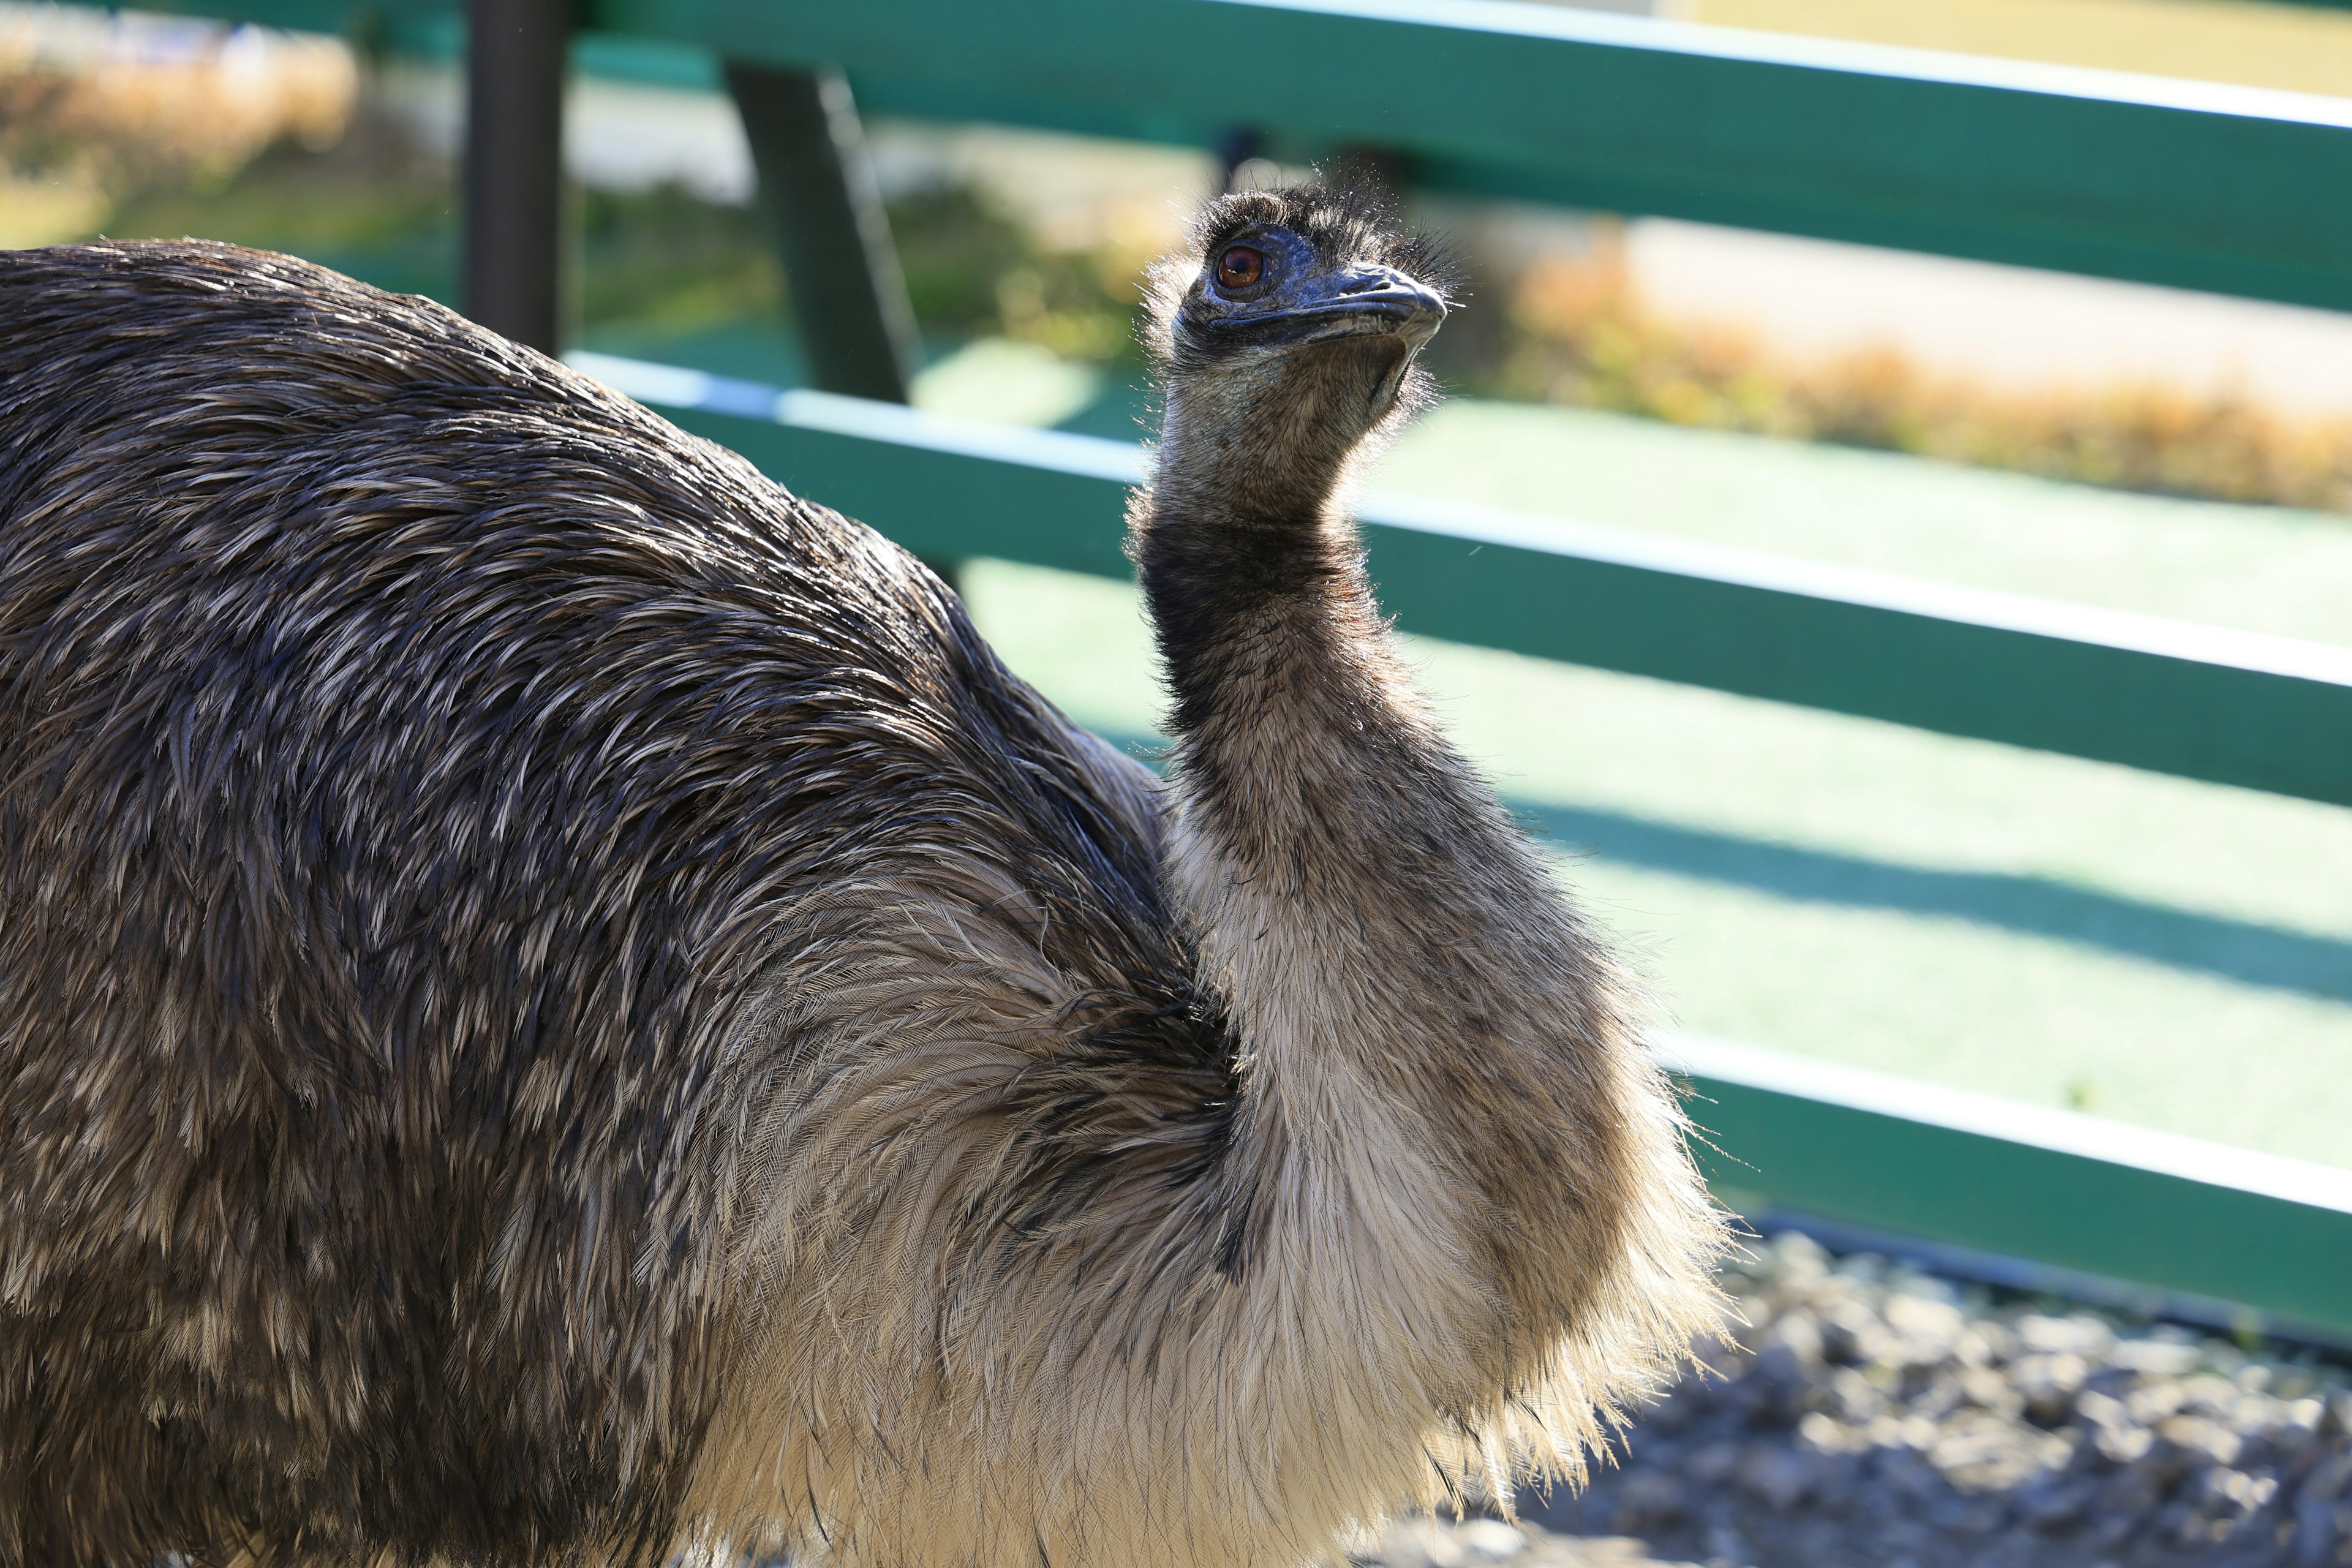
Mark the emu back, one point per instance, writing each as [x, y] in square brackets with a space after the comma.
[557, 1006]
[437, 798]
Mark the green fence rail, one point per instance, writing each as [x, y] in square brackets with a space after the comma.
[2228, 189]
[1970, 1171]
[2231, 189]
[2238, 190]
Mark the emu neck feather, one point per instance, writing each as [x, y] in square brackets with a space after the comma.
[1403, 979]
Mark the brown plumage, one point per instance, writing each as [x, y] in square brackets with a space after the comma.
[558, 1005]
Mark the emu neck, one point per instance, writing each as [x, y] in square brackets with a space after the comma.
[1317, 807]
[1253, 573]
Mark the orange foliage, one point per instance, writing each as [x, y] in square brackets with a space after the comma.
[122, 103]
[1585, 336]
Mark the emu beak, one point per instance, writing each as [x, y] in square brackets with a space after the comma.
[1363, 301]
[1381, 298]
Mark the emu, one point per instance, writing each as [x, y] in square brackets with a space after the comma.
[558, 1005]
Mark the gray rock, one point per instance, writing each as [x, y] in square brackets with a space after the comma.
[1649, 1499]
[1870, 1415]
[1780, 1477]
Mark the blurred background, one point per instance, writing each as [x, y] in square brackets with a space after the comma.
[2169, 953]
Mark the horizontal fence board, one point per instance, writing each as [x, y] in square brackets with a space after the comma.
[2201, 703]
[2233, 189]
[2238, 190]
[2070, 1191]
[2260, 713]
[943, 492]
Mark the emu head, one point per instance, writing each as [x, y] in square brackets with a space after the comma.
[1286, 334]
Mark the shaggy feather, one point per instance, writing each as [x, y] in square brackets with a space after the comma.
[558, 1005]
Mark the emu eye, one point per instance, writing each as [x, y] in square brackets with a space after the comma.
[1239, 267]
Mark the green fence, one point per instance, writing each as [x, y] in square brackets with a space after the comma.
[2220, 188]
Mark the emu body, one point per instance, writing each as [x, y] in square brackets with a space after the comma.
[558, 1005]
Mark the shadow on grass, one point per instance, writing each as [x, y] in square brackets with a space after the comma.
[2245, 951]
[2242, 951]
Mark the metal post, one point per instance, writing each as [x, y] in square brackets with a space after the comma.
[818, 185]
[514, 152]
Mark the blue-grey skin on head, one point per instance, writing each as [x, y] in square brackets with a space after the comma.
[1267, 288]
[1284, 270]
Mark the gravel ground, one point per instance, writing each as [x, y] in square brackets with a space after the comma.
[1873, 1417]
